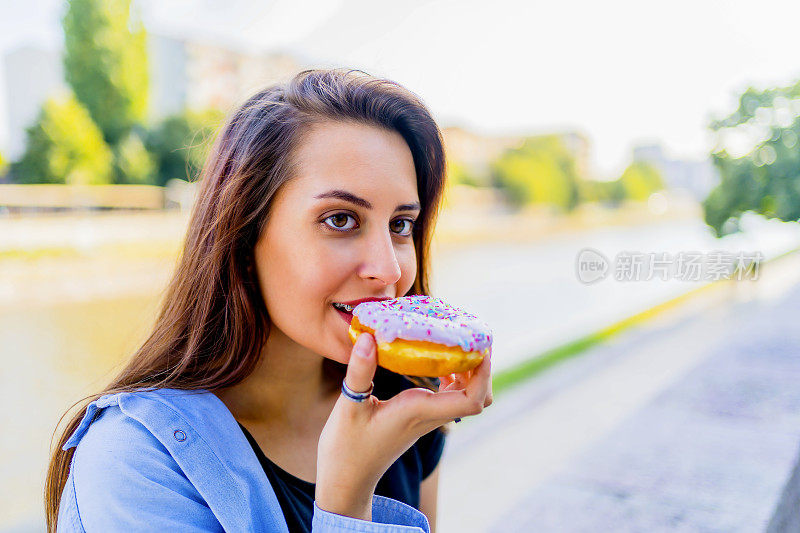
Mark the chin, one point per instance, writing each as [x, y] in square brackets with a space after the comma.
[342, 356]
[337, 350]
[343, 345]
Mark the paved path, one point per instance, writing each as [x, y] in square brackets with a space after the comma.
[690, 424]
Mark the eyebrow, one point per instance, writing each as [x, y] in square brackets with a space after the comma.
[361, 202]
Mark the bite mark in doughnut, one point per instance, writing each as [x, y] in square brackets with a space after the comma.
[422, 335]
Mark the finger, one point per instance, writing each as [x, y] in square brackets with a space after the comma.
[441, 407]
[362, 364]
[452, 382]
[445, 381]
[460, 398]
[480, 380]
[462, 378]
[465, 396]
[489, 396]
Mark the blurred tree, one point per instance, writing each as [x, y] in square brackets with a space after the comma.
[607, 192]
[541, 171]
[133, 163]
[105, 63]
[767, 179]
[3, 165]
[179, 144]
[459, 174]
[64, 146]
[639, 181]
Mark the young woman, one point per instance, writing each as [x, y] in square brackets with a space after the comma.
[234, 415]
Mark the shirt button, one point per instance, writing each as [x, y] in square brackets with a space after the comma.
[179, 435]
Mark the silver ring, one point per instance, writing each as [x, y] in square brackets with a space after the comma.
[357, 397]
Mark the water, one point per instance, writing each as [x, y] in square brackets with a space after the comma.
[54, 355]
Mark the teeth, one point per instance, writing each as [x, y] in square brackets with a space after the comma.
[346, 307]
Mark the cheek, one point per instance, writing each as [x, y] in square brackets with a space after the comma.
[297, 280]
[407, 258]
[328, 275]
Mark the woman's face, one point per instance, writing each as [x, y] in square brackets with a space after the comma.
[340, 230]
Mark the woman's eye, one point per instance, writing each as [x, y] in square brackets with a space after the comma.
[410, 226]
[339, 220]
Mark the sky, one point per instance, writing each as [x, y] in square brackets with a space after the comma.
[623, 72]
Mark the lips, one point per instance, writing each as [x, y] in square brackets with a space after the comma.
[347, 316]
[354, 303]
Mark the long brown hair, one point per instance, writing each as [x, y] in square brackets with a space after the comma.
[212, 322]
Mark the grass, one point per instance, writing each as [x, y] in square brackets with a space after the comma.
[132, 250]
[531, 367]
[39, 253]
[505, 379]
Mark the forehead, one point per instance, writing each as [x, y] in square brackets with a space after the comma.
[367, 160]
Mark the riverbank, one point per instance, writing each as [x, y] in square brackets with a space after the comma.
[159, 232]
[79, 257]
[470, 224]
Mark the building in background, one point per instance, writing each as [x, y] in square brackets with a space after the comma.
[192, 74]
[476, 151]
[31, 75]
[183, 74]
[578, 143]
[696, 177]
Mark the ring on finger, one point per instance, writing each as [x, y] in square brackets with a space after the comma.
[354, 396]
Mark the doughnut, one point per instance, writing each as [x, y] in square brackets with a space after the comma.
[422, 335]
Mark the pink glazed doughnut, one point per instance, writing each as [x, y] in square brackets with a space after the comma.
[422, 335]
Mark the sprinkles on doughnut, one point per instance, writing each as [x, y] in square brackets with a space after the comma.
[422, 335]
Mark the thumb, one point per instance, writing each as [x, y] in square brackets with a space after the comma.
[362, 364]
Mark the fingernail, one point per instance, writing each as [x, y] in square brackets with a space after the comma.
[362, 346]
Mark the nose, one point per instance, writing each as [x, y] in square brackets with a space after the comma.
[380, 258]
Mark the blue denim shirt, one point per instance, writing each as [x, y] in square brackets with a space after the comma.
[174, 460]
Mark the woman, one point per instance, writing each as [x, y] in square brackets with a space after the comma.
[241, 411]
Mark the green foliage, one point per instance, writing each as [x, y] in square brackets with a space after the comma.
[64, 146]
[541, 171]
[637, 182]
[105, 63]
[752, 100]
[607, 192]
[767, 179]
[640, 180]
[132, 162]
[179, 143]
[459, 174]
[3, 165]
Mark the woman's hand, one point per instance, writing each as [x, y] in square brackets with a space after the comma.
[360, 441]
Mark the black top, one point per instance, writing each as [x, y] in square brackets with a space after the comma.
[400, 482]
